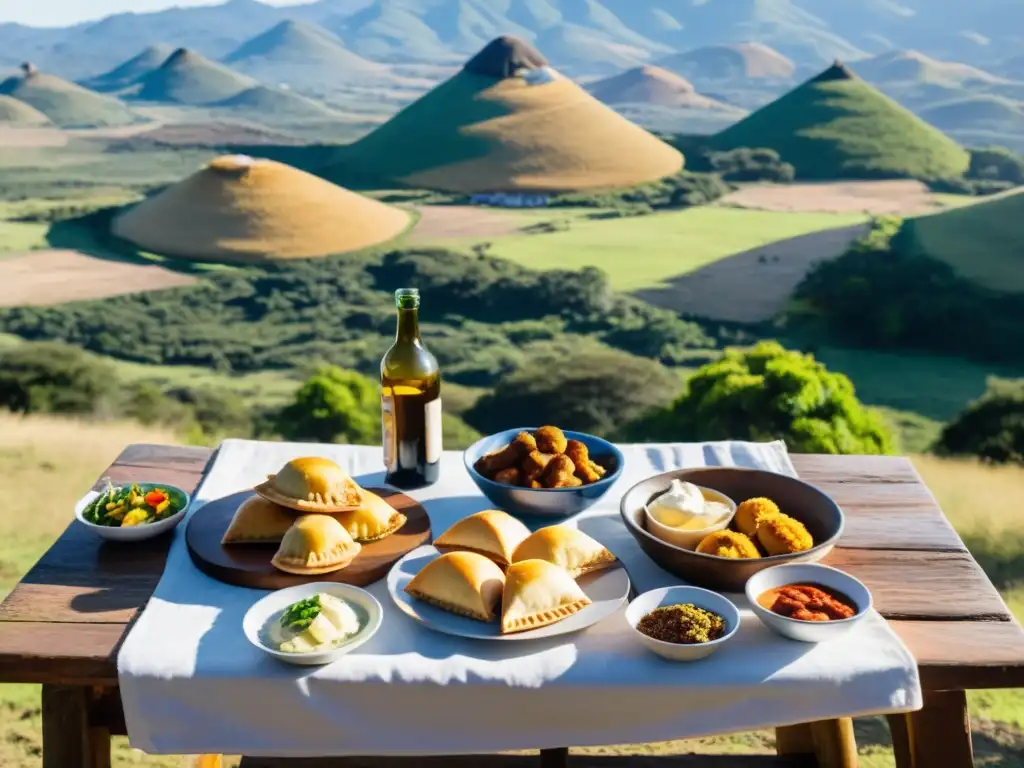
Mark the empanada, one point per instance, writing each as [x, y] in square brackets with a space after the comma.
[258, 521]
[460, 582]
[568, 548]
[315, 544]
[312, 484]
[536, 594]
[374, 520]
[491, 533]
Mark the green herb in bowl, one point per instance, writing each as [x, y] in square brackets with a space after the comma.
[301, 614]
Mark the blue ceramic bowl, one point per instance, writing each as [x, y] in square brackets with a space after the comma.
[545, 502]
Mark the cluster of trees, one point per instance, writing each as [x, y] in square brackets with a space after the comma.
[480, 316]
[683, 190]
[991, 428]
[878, 296]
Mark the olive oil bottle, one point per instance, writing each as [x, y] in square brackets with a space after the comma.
[410, 388]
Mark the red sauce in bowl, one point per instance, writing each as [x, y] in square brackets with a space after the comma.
[808, 602]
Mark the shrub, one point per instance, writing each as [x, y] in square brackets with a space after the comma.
[334, 405]
[55, 378]
[991, 428]
[747, 164]
[996, 164]
[589, 388]
[768, 393]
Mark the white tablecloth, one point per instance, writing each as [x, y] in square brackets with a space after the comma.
[191, 682]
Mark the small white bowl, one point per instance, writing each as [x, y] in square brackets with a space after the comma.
[134, 532]
[270, 608]
[691, 539]
[807, 573]
[702, 598]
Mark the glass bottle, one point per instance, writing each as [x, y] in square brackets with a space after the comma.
[410, 388]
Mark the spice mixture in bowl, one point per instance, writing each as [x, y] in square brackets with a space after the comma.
[683, 623]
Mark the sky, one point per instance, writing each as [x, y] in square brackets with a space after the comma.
[61, 13]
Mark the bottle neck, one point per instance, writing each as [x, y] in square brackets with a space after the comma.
[408, 326]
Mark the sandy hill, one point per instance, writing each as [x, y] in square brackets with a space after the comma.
[276, 105]
[916, 67]
[836, 126]
[66, 105]
[651, 85]
[244, 210]
[981, 241]
[18, 113]
[739, 61]
[981, 112]
[507, 121]
[299, 52]
[123, 75]
[190, 78]
[588, 51]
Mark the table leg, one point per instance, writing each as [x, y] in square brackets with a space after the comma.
[834, 743]
[938, 734]
[794, 740]
[69, 740]
[204, 761]
[554, 758]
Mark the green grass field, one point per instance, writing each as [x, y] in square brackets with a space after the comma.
[644, 251]
[67, 456]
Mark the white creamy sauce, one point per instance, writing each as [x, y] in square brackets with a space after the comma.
[683, 506]
[337, 623]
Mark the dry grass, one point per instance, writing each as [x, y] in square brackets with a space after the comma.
[894, 198]
[65, 457]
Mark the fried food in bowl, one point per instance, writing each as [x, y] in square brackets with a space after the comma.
[751, 512]
[730, 544]
[783, 535]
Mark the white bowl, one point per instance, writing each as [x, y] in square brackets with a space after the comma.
[691, 539]
[133, 532]
[702, 598]
[807, 573]
[270, 608]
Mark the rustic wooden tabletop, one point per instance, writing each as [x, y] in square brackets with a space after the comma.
[63, 624]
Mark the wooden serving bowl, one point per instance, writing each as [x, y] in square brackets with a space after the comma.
[821, 516]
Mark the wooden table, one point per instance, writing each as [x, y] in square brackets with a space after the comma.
[63, 624]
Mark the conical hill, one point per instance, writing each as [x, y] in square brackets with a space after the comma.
[242, 209]
[66, 105]
[190, 78]
[837, 126]
[650, 85]
[18, 113]
[130, 71]
[508, 122]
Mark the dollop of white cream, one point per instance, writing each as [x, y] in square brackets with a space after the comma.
[683, 506]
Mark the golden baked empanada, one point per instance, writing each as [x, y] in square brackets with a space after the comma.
[258, 521]
[538, 593]
[312, 484]
[568, 548]
[374, 519]
[460, 582]
[315, 544]
[491, 533]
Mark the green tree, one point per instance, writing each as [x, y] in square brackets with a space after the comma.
[766, 393]
[991, 428]
[55, 378]
[334, 405]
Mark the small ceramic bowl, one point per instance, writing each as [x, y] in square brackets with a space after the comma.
[814, 574]
[545, 502]
[270, 608]
[690, 539]
[136, 532]
[702, 598]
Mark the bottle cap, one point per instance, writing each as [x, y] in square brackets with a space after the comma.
[407, 298]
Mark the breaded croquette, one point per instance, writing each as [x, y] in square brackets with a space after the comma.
[728, 544]
[560, 473]
[534, 463]
[511, 476]
[782, 535]
[550, 440]
[751, 512]
[509, 456]
[586, 470]
[527, 440]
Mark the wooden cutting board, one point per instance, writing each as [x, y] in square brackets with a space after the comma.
[248, 565]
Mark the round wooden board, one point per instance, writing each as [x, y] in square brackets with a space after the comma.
[248, 565]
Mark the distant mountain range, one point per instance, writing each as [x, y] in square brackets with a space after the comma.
[580, 36]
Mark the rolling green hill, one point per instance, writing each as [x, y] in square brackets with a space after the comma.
[916, 67]
[980, 112]
[276, 105]
[18, 113]
[836, 126]
[190, 78]
[125, 74]
[982, 242]
[67, 105]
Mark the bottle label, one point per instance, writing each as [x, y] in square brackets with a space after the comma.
[387, 421]
[433, 429]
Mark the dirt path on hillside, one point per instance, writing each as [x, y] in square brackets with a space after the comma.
[40, 278]
[898, 198]
[755, 285]
[456, 222]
